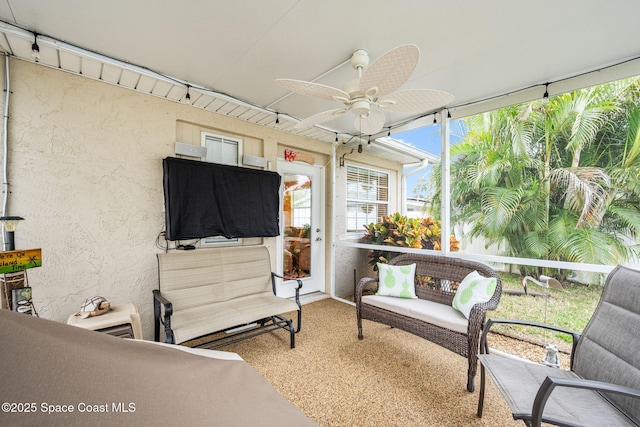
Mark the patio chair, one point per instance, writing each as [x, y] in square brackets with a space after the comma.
[602, 386]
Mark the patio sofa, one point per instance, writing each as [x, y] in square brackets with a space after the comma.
[230, 290]
[430, 314]
[602, 387]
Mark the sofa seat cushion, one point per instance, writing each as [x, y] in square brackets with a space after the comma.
[197, 321]
[431, 312]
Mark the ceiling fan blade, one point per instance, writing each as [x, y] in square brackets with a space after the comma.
[321, 117]
[391, 70]
[315, 90]
[408, 101]
[370, 124]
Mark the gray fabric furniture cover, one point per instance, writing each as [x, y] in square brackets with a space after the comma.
[111, 381]
[606, 356]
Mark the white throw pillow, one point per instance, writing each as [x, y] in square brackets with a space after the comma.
[474, 289]
[397, 280]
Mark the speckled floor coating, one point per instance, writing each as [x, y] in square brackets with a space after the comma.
[391, 378]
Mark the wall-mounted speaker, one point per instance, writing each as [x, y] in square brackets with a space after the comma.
[191, 150]
[248, 160]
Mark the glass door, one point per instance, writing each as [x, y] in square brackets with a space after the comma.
[301, 243]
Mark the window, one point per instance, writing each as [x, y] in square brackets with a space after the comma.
[226, 151]
[222, 149]
[367, 197]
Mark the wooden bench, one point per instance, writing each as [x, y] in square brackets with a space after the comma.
[232, 289]
[602, 387]
[431, 315]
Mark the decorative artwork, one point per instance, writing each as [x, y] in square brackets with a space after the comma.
[289, 155]
[12, 261]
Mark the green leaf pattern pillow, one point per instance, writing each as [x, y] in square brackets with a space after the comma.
[474, 289]
[396, 280]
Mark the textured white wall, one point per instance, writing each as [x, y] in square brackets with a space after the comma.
[85, 168]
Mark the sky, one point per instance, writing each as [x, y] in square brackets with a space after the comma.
[428, 139]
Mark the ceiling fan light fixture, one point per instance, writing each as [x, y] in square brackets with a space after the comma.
[361, 108]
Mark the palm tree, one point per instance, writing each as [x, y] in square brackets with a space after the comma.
[538, 178]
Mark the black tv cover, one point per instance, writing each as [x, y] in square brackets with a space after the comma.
[208, 199]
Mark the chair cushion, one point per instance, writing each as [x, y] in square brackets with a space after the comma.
[431, 312]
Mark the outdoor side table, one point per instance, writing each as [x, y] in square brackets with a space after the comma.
[123, 320]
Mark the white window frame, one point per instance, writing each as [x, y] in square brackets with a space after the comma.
[227, 142]
[349, 200]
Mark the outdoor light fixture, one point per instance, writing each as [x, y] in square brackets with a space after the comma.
[359, 148]
[10, 223]
[277, 119]
[187, 97]
[35, 49]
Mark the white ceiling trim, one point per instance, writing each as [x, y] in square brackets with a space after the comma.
[62, 56]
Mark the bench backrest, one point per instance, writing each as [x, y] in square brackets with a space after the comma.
[203, 276]
[438, 276]
[609, 348]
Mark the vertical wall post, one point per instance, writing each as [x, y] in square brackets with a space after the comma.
[445, 214]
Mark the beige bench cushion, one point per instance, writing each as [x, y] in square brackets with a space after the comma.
[201, 320]
[431, 312]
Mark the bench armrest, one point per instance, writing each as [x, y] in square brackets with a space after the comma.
[360, 288]
[298, 287]
[550, 383]
[484, 349]
[273, 283]
[160, 302]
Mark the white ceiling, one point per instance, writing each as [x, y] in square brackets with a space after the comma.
[476, 50]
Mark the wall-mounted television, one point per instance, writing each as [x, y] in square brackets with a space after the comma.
[208, 199]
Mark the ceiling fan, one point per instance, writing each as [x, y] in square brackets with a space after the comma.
[373, 91]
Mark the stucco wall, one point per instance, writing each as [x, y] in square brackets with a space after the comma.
[85, 171]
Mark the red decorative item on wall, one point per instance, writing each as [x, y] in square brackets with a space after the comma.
[289, 155]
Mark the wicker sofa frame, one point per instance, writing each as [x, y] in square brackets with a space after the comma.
[437, 277]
